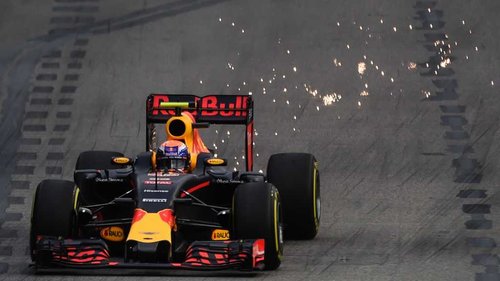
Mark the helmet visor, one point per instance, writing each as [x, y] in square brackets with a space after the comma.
[175, 163]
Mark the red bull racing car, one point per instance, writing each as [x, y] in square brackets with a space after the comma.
[176, 206]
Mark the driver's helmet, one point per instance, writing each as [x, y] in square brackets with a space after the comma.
[172, 155]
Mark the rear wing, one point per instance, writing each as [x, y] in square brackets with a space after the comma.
[213, 109]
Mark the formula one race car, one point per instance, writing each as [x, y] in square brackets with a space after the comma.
[176, 206]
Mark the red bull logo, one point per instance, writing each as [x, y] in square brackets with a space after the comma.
[211, 106]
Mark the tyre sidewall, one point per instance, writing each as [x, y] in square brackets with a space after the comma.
[54, 211]
[257, 215]
[297, 178]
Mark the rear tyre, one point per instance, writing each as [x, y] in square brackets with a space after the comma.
[98, 192]
[297, 178]
[54, 211]
[257, 214]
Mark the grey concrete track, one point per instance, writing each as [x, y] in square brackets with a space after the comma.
[408, 150]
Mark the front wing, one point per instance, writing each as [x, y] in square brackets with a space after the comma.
[200, 255]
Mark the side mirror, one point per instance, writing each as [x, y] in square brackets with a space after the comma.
[122, 161]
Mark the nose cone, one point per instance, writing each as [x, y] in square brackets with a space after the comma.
[150, 236]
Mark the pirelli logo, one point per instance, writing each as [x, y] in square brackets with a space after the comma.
[154, 200]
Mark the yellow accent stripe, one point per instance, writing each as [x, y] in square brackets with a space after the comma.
[276, 222]
[174, 104]
[75, 199]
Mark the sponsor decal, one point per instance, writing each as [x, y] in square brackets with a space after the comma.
[155, 190]
[167, 215]
[112, 233]
[215, 161]
[121, 160]
[108, 180]
[223, 181]
[171, 150]
[154, 200]
[211, 105]
[148, 233]
[220, 234]
[157, 182]
[159, 178]
[162, 174]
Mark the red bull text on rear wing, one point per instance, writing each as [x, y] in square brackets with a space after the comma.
[213, 109]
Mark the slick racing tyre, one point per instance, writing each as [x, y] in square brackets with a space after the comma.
[54, 211]
[94, 192]
[257, 214]
[297, 178]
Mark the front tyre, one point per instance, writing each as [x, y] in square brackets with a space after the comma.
[54, 211]
[257, 215]
[296, 176]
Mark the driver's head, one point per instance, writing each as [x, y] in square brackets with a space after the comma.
[172, 155]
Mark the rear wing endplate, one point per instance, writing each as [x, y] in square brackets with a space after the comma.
[213, 109]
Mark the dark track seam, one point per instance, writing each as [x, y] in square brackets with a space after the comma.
[467, 169]
[49, 74]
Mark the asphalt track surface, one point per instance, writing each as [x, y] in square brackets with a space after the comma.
[398, 100]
